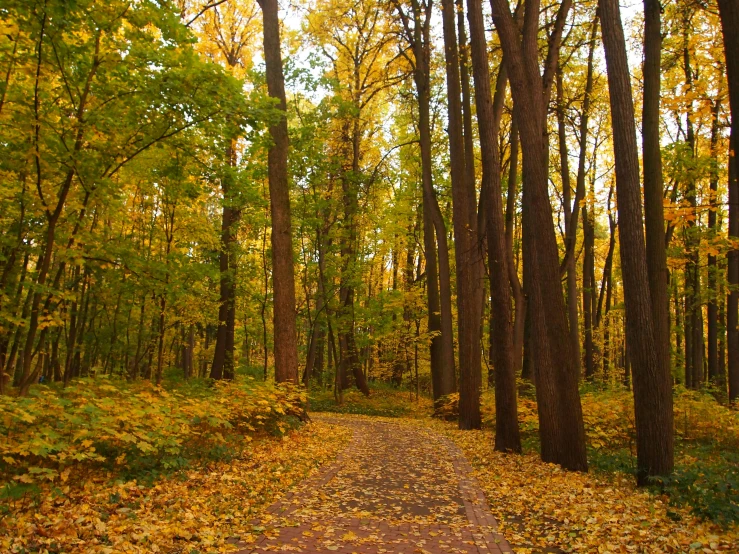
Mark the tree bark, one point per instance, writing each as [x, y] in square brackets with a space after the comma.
[223, 353]
[653, 185]
[283, 276]
[729, 13]
[519, 299]
[652, 385]
[507, 436]
[467, 253]
[570, 229]
[561, 426]
[716, 377]
[439, 292]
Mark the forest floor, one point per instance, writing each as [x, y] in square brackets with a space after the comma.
[111, 467]
[540, 508]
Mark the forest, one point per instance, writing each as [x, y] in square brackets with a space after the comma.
[323, 275]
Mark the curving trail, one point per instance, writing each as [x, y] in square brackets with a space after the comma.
[397, 488]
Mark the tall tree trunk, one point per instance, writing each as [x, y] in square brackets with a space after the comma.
[519, 299]
[732, 302]
[507, 437]
[653, 185]
[349, 360]
[283, 276]
[729, 12]
[652, 386]
[570, 231]
[467, 253]
[716, 377]
[588, 287]
[693, 298]
[223, 353]
[439, 299]
[561, 426]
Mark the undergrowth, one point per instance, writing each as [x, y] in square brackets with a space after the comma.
[706, 476]
[59, 437]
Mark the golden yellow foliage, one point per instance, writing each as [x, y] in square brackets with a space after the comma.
[200, 508]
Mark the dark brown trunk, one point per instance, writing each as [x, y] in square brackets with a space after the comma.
[467, 252]
[652, 385]
[489, 111]
[561, 426]
[570, 231]
[439, 294]
[694, 307]
[714, 375]
[283, 276]
[729, 12]
[223, 353]
[653, 185]
[732, 302]
[588, 287]
[519, 299]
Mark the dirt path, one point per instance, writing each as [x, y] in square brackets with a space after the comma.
[397, 488]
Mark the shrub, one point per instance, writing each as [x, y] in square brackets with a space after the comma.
[61, 435]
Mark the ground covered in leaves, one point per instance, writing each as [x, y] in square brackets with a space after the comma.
[207, 464]
[540, 507]
[107, 467]
[543, 509]
[399, 487]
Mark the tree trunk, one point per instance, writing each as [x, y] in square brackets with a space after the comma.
[519, 299]
[588, 287]
[714, 375]
[653, 185]
[283, 277]
[507, 437]
[652, 385]
[570, 229]
[729, 12]
[694, 306]
[467, 253]
[440, 299]
[223, 354]
[561, 426]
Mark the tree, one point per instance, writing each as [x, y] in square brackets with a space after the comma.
[228, 33]
[729, 12]
[652, 385]
[507, 437]
[438, 277]
[286, 341]
[466, 251]
[653, 184]
[561, 426]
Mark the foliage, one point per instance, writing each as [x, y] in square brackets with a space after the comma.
[707, 436]
[61, 437]
[202, 509]
[447, 407]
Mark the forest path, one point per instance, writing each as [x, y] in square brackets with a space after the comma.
[396, 488]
